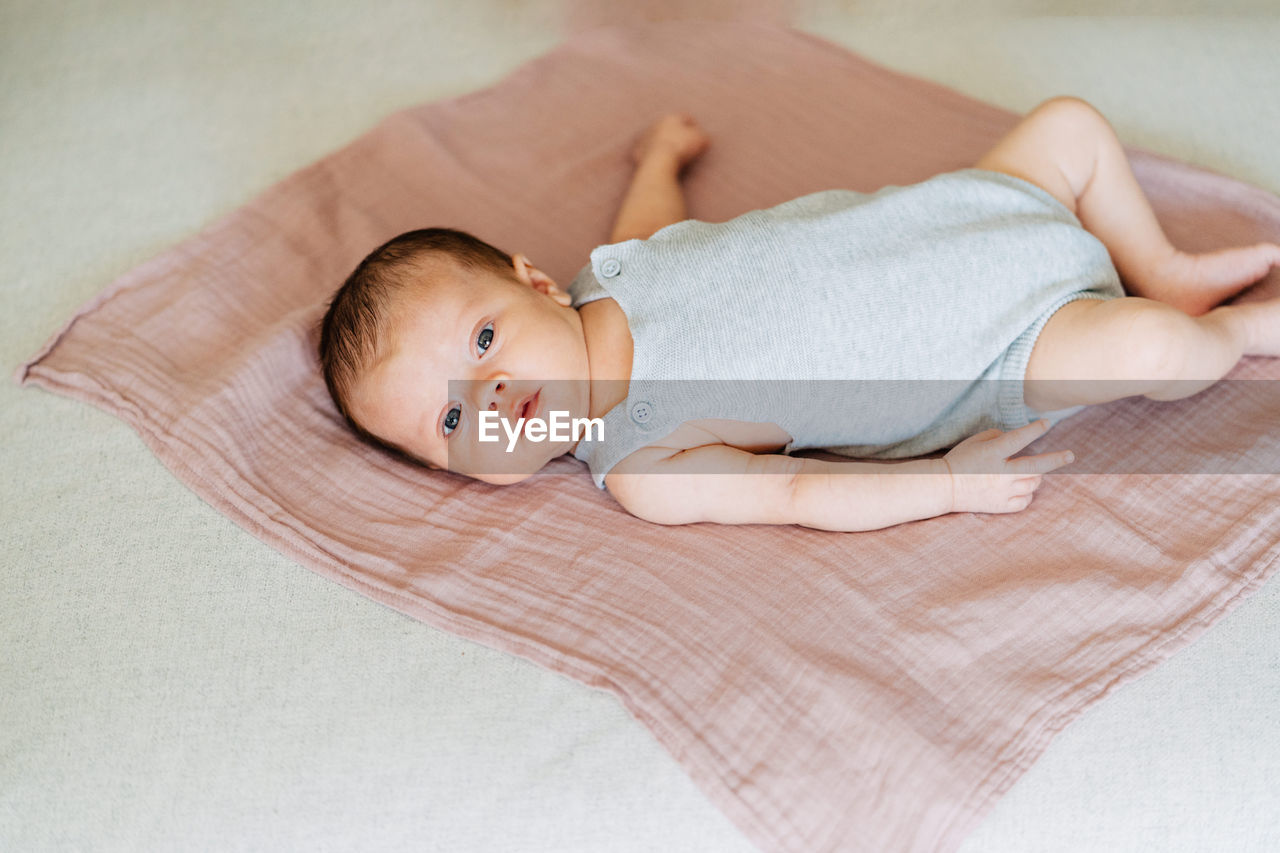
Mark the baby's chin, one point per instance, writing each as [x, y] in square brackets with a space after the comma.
[501, 479]
[508, 479]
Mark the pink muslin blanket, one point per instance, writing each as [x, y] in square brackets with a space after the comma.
[829, 691]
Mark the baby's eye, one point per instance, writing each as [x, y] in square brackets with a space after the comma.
[485, 338]
[451, 420]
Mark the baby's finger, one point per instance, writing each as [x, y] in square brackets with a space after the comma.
[1041, 463]
[1022, 485]
[1016, 439]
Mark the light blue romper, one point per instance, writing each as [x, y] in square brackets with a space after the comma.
[876, 325]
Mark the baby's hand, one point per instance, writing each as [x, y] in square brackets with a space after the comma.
[676, 135]
[985, 479]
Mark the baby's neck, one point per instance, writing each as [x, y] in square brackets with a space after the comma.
[609, 352]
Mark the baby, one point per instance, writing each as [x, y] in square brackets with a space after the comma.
[439, 340]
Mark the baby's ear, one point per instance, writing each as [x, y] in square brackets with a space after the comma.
[540, 281]
[557, 294]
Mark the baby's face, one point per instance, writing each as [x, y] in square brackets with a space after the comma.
[500, 341]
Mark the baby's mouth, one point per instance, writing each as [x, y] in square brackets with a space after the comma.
[529, 405]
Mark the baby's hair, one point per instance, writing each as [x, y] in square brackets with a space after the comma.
[362, 315]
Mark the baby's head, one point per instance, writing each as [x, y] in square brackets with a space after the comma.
[436, 305]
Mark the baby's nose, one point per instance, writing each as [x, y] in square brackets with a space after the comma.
[498, 401]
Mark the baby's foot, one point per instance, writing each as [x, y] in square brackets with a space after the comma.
[1195, 283]
[1262, 326]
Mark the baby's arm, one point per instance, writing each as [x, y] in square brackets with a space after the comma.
[720, 483]
[655, 198]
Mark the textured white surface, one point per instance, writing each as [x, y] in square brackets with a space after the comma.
[169, 682]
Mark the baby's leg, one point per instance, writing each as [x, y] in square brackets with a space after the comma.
[1067, 147]
[1121, 347]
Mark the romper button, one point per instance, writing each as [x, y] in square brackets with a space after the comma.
[611, 267]
[641, 412]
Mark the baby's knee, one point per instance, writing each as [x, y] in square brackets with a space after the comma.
[1072, 118]
[1069, 108]
[1158, 340]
